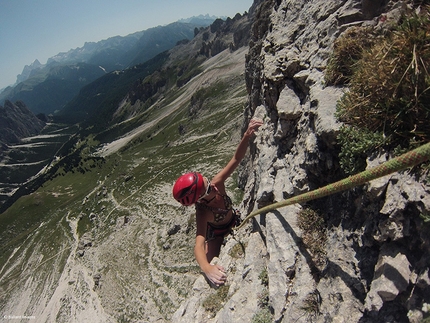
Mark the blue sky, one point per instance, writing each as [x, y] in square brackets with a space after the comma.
[39, 29]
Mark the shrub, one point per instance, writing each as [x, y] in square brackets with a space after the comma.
[356, 144]
[388, 99]
[389, 91]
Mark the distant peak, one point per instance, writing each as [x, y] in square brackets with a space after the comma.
[205, 17]
[36, 63]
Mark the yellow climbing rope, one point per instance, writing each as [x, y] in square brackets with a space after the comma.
[409, 159]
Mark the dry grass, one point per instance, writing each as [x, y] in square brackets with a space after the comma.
[347, 51]
[311, 305]
[387, 102]
[389, 90]
[313, 234]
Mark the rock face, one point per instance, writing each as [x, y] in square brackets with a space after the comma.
[375, 252]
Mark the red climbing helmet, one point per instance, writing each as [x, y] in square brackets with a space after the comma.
[188, 187]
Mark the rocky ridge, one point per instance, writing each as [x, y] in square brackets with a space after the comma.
[17, 121]
[375, 265]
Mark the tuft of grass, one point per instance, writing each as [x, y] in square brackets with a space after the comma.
[264, 299]
[347, 51]
[389, 91]
[311, 304]
[214, 302]
[313, 234]
[264, 277]
[238, 250]
[265, 313]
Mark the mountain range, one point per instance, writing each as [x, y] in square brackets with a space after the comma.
[48, 88]
[95, 105]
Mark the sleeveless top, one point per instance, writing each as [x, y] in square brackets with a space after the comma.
[219, 230]
[219, 213]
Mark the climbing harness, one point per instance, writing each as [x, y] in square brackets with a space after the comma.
[409, 159]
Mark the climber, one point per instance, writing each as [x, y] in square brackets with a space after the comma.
[215, 216]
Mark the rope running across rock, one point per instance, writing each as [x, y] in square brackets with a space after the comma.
[409, 159]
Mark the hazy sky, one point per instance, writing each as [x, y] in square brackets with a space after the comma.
[39, 29]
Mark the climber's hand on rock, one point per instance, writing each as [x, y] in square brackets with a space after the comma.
[253, 126]
[216, 274]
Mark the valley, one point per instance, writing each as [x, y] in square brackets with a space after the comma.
[120, 245]
[21, 161]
